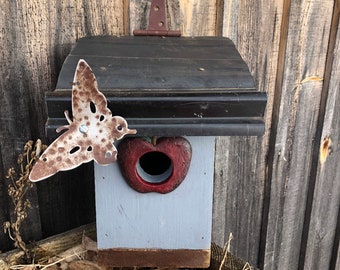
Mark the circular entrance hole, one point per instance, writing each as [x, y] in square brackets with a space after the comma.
[154, 167]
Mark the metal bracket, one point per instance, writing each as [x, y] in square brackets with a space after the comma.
[157, 22]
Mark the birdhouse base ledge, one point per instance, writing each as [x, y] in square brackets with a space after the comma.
[179, 258]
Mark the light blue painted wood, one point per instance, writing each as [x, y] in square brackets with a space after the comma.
[177, 220]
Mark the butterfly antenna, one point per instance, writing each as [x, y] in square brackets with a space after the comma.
[62, 128]
[67, 116]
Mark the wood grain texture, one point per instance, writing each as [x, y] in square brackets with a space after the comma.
[193, 18]
[230, 19]
[237, 196]
[4, 211]
[159, 258]
[140, 10]
[326, 197]
[296, 127]
[198, 17]
[283, 42]
[49, 247]
[139, 14]
[36, 36]
[337, 259]
[252, 41]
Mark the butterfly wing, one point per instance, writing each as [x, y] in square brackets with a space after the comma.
[90, 111]
[86, 98]
[63, 154]
[90, 135]
[90, 114]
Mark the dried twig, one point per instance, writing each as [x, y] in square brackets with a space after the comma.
[247, 266]
[45, 266]
[226, 250]
[17, 188]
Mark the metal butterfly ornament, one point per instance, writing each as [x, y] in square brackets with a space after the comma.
[90, 134]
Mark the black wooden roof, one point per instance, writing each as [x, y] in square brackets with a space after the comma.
[167, 86]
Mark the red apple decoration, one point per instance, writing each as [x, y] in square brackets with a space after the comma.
[154, 166]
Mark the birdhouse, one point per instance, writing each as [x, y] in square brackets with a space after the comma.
[154, 206]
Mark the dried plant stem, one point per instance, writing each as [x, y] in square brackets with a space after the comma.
[246, 266]
[17, 189]
[45, 266]
[226, 250]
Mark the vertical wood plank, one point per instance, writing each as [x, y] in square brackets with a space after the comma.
[296, 127]
[139, 14]
[230, 19]
[198, 18]
[126, 17]
[337, 263]
[174, 18]
[36, 36]
[326, 197]
[238, 196]
[6, 123]
[193, 18]
[140, 10]
[239, 193]
[4, 211]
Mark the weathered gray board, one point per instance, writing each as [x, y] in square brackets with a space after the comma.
[37, 36]
[177, 220]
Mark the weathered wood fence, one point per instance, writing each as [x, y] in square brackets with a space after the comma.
[278, 194]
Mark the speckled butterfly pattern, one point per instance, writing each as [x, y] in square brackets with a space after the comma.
[90, 134]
